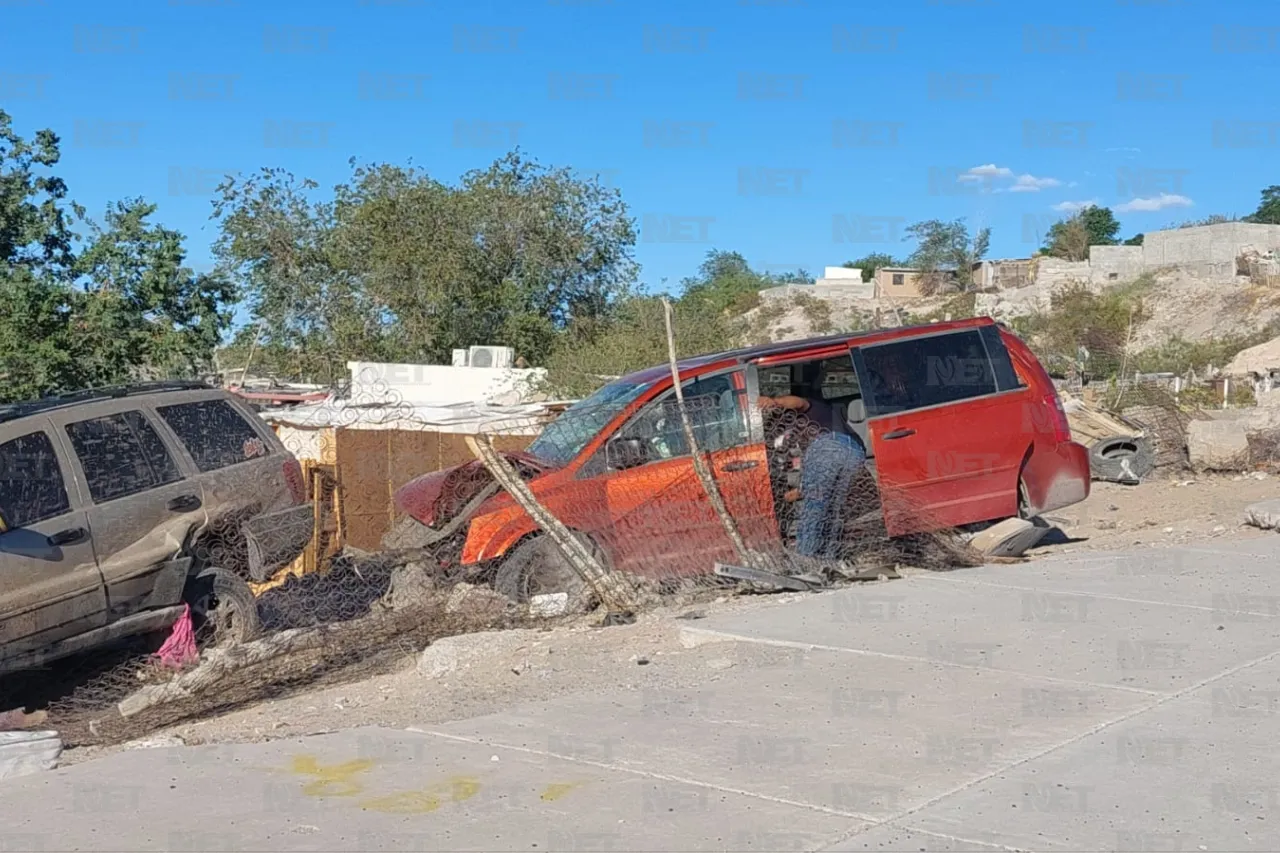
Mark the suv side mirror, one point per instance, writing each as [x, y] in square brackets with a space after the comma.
[622, 453]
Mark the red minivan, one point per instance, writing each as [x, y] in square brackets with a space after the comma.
[961, 425]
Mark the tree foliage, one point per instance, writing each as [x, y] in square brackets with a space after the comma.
[708, 316]
[118, 306]
[946, 247]
[1268, 212]
[398, 266]
[1071, 238]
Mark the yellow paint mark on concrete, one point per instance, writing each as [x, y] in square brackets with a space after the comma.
[464, 787]
[558, 790]
[455, 789]
[406, 802]
[335, 780]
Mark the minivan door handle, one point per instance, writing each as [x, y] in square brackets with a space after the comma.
[744, 465]
[184, 503]
[70, 536]
[898, 433]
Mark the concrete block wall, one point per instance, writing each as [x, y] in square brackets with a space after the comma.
[1124, 262]
[1053, 272]
[1207, 250]
[823, 288]
[859, 289]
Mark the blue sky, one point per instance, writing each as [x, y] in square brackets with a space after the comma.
[798, 133]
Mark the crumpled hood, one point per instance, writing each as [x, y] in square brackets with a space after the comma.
[435, 499]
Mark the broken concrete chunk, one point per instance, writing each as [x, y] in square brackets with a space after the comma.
[1217, 445]
[449, 654]
[1008, 538]
[476, 601]
[549, 605]
[24, 753]
[1264, 514]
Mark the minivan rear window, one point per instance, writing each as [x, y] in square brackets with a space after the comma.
[214, 433]
[926, 371]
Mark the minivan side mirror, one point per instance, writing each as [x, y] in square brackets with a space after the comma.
[621, 453]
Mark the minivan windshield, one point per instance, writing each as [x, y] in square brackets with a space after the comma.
[563, 439]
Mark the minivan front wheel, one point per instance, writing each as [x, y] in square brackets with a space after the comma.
[537, 566]
[223, 609]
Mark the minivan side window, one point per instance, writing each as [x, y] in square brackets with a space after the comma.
[715, 412]
[121, 455]
[31, 484]
[214, 433]
[927, 371]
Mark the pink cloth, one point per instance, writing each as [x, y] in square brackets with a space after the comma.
[180, 649]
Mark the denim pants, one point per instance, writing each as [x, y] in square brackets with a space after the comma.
[825, 473]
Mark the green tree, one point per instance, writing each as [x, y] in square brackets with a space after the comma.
[709, 315]
[1101, 225]
[872, 262]
[399, 266]
[1068, 239]
[726, 283]
[946, 247]
[1135, 240]
[1071, 238]
[119, 307]
[1268, 212]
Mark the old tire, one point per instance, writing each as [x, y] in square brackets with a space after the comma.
[1121, 459]
[406, 534]
[537, 566]
[223, 608]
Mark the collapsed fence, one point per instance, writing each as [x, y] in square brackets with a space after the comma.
[695, 491]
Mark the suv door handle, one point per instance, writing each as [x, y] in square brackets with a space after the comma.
[184, 503]
[70, 536]
[898, 433]
[744, 465]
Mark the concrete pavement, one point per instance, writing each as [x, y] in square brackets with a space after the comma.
[1084, 702]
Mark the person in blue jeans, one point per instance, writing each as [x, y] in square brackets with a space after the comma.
[826, 471]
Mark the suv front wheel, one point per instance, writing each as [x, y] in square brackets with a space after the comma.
[223, 608]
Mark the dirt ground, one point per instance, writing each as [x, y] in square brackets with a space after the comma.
[1169, 511]
[538, 665]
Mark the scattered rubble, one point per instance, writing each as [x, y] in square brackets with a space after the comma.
[479, 602]
[549, 605]
[449, 654]
[1009, 538]
[1264, 514]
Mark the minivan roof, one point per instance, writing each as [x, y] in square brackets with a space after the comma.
[745, 354]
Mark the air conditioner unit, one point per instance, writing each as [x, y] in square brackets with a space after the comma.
[460, 358]
[490, 357]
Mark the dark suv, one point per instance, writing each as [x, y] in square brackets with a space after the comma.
[118, 507]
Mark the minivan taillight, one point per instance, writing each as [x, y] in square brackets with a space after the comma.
[1061, 426]
[293, 476]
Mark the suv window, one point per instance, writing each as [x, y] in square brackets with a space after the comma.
[926, 371]
[715, 411]
[121, 455]
[31, 485]
[214, 433]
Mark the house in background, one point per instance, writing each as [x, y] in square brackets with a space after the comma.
[898, 283]
[910, 283]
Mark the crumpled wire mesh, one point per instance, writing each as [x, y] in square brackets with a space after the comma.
[376, 584]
